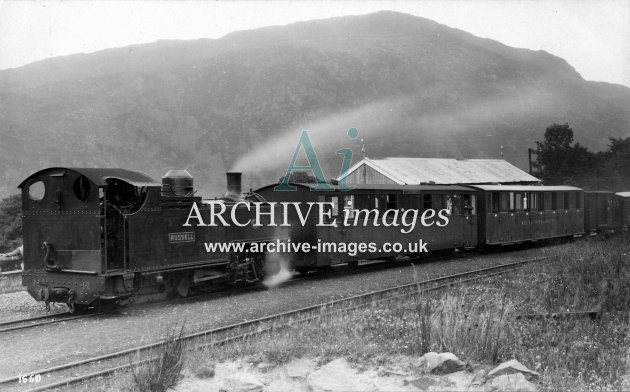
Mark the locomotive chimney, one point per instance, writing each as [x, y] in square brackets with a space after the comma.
[234, 190]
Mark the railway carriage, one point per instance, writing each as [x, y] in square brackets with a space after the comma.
[624, 202]
[93, 235]
[458, 202]
[518, 213]
[603, 211]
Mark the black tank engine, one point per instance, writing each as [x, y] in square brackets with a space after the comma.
[93, 236]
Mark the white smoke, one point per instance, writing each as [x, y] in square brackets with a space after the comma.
[378, 119]
[278, 270]
[324, 132]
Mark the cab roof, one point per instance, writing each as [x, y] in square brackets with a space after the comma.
[99, 176]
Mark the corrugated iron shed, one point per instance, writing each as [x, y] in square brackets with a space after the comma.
[527, 188]
[439, 171]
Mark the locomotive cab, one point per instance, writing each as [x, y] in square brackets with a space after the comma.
[74, 230]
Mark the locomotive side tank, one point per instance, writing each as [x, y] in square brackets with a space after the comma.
[93, 234]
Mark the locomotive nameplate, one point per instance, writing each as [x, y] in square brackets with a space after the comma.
[187, 236]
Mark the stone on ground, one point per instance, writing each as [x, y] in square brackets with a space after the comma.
[205, 372]
[514, 382]
[227, 377]
[511, 367]
[334, 376]
[443, 363]
[243, 382]
[453, 382]
[300, 368]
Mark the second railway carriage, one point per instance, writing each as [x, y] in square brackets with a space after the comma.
[517, 213]
[92, 235]
[457, 203]
[603, 211]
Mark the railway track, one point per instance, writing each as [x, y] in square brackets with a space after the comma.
[32, 322]
[64, 375]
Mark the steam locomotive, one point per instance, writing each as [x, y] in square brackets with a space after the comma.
[92, 236]
[96, 236]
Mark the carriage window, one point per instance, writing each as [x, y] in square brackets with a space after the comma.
[540, 201]
[449, 204]
[511, 201]
[578, 200]
[518, 201]
[533, 201]
[348, 206]
[335, 209]
[567, 203]
[438, 202]
[427, 202]
[528, 201]
[36, 191]
[392, 201]
[495, 202]
[547, 200]
[469, 205]
[362, 202]
[457, 204]
[380, 202]
[505, 201]
[554, 200]
[410, 201]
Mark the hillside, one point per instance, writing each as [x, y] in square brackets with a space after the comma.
[409, 85]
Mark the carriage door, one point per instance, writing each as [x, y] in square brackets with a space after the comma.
[115, 233]
[469, 209]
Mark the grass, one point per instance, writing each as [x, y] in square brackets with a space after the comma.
[477, 323]
[165, 371]
[11, 283]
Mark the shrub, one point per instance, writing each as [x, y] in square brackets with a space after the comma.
[163, 371]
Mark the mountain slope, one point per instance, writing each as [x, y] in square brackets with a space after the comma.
[410, 85]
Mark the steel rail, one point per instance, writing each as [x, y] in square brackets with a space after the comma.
[27, 320]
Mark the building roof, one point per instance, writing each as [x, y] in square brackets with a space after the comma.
[99, 176]
[446, 171]
[526, 188]
[383, 187]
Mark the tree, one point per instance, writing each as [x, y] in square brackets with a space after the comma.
[557, 161]
[615, 164]
[10, 223]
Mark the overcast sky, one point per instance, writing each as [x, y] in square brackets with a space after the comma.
[593, 36]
